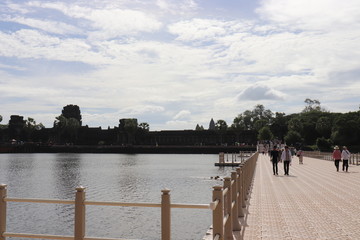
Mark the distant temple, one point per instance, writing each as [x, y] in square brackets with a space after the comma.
[212, 124]
[126, 133]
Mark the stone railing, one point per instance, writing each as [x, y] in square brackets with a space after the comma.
[227, 207]
[354, 159]
[230, 199]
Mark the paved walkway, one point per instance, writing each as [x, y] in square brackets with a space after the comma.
[313, 202]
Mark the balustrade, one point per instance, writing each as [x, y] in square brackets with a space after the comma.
[354, 158]
[230, 199]
[227, 207]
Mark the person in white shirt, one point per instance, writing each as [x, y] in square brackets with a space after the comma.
[286, 158]
[345, 156]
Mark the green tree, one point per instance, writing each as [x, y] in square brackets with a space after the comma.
[66, 128]
[221, 125]
[323, 144]
[239, 123]
[144, 126]
[293, 138]
[72, 129]
[260, 113]
[313, 105]
[265, 134]
[295, 124]
[130, 126]
[72, 111]
[279, 125]
[199, 128]
[261, 123]
[31, 126]
[248, 120]
[323, 127]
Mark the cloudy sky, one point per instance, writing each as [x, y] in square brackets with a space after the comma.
[176, 63]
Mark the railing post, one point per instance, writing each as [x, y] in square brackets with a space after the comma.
[243, 185]
[79, 213]
[218, 213]
[221, 157]
[165, 215]
[234, 212]
[3, 194]
[239, 196]
[228, 209]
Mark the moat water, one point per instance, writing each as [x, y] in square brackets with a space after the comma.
[110, 177]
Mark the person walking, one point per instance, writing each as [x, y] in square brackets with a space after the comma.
[286, 158]
[274, 158]
[299, 154]
[345, 155]
[337, 157]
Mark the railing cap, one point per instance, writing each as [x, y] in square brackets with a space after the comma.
[165, 191]
[80, 189]
[227, 178]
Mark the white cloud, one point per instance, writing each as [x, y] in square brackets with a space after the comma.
[177, 7]
[312, 15]
[174, 76]
[183, 114]
[206, 30]
[107, 22]
[260, 92]
[48, 26]
[136, 110]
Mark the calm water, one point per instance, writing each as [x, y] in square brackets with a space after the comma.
[110, 177]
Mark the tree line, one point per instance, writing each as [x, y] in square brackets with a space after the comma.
[313, 127]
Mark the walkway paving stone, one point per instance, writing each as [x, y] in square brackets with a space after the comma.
[315, 202]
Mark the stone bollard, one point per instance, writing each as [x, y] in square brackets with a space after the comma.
[79, 213]
[165, 215]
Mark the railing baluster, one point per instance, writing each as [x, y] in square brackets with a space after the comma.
[3, 193]
[234, 213]
[79, 231]
[218, 213]
[228, 209]
[165, 215]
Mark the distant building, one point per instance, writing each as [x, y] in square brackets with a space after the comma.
[212, 124]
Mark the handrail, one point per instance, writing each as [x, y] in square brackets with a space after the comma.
[28, 235]
[230, 199]
[45, 236]
[97, 203]
[35, 200]
[227, 204]
[122, 204]
[80, 204]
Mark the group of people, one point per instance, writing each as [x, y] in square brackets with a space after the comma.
[343, 156]
[285, 156]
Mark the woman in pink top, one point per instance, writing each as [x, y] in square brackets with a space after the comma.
[337, 157]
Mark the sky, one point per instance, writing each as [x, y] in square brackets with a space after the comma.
[176, 63]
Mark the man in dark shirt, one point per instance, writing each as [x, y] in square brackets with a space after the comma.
[274, 158]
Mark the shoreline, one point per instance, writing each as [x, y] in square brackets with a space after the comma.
[133, 149]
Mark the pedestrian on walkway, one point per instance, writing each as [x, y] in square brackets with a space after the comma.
[337, 157]
[345, 155]
[286, 158]
[274, 158]
[299, 154]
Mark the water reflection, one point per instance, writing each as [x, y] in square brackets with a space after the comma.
[67, 174]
